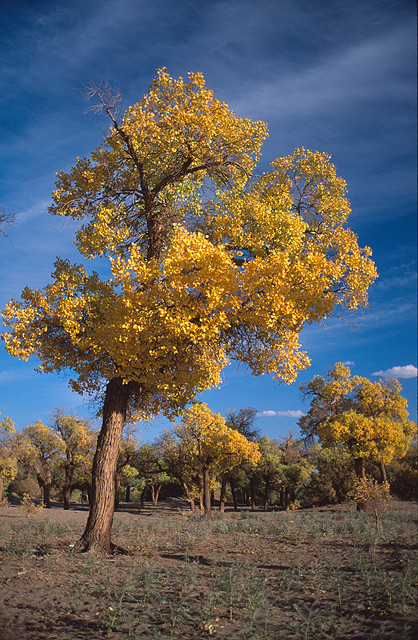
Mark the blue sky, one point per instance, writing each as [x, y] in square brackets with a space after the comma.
[331, 76]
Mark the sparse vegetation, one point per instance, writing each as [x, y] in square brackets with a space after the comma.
[307, 573]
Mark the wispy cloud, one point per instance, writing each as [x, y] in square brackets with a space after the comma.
[407, 371]
[280, 414]
[349, 363]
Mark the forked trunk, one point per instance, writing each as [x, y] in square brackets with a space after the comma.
[97, 534]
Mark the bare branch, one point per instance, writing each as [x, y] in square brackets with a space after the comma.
[7, 220]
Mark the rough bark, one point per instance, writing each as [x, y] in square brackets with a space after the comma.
[97, 534]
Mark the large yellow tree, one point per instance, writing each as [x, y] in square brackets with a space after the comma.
[208, 260]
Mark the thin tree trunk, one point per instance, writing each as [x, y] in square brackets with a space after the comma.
[206, 491]
[266, 495]
[128, 493]
[361, 474]
[66, 492]
[233, 493]
[223, 494]
[382, 468]
[97, 534]
[188, 496]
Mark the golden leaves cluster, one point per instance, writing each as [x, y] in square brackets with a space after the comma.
[368, 419]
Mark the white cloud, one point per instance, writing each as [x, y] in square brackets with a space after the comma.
[280, 414]
[407, 371]
[349, 363]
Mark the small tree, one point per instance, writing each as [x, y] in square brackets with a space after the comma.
[367, 419]
[40, 450]
[78, 439]
[212, 447]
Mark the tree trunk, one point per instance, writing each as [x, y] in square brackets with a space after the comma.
[252, 495]
[97, 534]
[223, 494]
[206, 491]
[233, 493]
[361, 475]
[117, 485]
[47, 495]
[266, 495]
[155, 494]
[188, 496]
[66, 492]
[382, 468]
[128, 493]
[360, 468]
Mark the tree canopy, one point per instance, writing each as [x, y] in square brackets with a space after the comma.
[367, 419]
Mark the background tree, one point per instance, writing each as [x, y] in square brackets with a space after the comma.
[8, 461]
[152, 469]
[268, 469]
[126, 469]
[367, 419]
[212, 446]
[78, 439]
[209, 262]
[335, 476]
[40, 449]
[243, 421]
[175, 459]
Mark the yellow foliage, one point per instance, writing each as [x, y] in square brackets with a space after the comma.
[368, 419]
[30, 507]
[211, 443]
[208, 261]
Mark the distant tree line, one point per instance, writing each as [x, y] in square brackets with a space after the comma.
[213, 461]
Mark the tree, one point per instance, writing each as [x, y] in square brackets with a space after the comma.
[212, 447]
[77, 436]
[40, 450]
[8, 461]
[150, 466]
[208, 261]
[243, 422]
[125, 467]
[367, 419]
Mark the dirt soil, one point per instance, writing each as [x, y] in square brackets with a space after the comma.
[308, 574]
